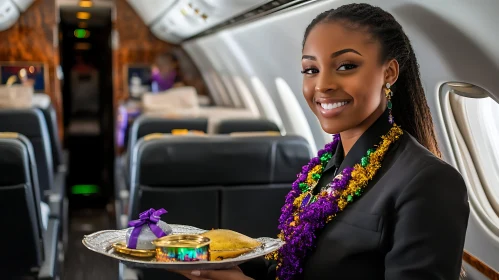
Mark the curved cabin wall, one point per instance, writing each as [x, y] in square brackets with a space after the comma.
[33, 38]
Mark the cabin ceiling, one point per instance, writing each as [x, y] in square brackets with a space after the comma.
[100, 16]
[177, 20]
[100, 12]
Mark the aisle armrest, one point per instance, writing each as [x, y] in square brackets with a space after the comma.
[49, 268]
[60, 183]
[56, 195]
[121, 192]
[65, 161]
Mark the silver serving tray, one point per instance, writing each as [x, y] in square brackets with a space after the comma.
[102, 241]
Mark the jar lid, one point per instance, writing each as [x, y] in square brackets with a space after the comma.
[182, 241]
[121, 247]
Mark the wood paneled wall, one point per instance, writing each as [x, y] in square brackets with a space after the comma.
[137, 45]
[34, 39]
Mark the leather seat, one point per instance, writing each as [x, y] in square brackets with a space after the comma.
[31, 123]
[246, 125]
[143, 126]
[42, 102]
[217, 181]
[60, 157]
[30, 248]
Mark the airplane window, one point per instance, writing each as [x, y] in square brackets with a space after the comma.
[294, 112]
[267, 103]
[475, 126]
[232, 91]
[485, 131]
[247, 99]
[221, 89]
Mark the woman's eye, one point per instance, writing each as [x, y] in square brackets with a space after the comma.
[346, 67]
[310, 71]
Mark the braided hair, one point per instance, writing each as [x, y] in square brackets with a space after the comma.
[410, 108]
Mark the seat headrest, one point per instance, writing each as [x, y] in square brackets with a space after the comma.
[29, 122]
[255, 134]
[16, 96]
[146, 125]
[14, 162]
[41, 100]
[245, 125]
[175, 98]
[219, 160]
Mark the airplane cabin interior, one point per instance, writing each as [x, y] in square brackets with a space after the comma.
[112, 110]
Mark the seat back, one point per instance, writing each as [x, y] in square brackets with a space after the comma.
[23, 233]
[145, 125]
[42, 102]
[245, 125]
[31, 123]
[217, 181]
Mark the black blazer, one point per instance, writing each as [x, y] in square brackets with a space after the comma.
[410, 223]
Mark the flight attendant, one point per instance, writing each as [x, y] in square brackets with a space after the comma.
[166, 73]
[377, 202]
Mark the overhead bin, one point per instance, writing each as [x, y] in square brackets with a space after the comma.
[187, 18]
[150, 10]
[8, 15]
[10, 10]
[23, 4]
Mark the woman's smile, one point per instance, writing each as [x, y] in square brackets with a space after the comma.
[331, 107]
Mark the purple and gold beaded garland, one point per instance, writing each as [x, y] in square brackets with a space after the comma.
[304, 213]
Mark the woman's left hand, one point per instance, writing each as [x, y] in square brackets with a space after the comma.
[234, 273]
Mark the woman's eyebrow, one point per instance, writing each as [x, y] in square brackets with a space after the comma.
[340, 52]
[309, 57]
[333, 55]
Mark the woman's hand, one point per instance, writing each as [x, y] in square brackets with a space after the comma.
[234, 273]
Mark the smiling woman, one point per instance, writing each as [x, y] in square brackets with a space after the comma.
[355, 79]
[369, 205]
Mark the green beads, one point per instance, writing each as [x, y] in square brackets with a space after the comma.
[358, 192]
[316, 176]
[303, 187]
[349, 198]
[325, 157]
[390, 104]
[364, 161]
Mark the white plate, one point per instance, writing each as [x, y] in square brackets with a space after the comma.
[102, 241]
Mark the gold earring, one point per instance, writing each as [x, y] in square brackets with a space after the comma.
[389, 94]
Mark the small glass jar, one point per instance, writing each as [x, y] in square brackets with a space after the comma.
[182, 248]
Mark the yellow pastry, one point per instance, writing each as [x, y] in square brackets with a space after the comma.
[226, 244]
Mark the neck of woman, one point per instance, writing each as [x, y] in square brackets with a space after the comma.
[349, 137]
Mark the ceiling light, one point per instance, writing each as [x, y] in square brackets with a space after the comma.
[86, 3]
[83, 15]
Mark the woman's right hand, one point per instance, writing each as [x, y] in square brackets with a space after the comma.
[234, 273]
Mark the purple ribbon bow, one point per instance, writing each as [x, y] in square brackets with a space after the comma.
[149, 217]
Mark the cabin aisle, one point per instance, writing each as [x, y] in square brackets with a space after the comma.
[81, 263]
